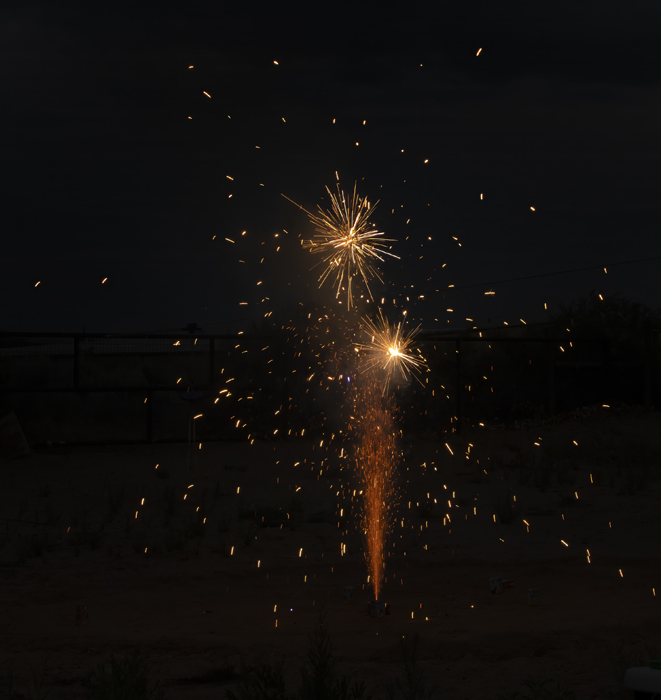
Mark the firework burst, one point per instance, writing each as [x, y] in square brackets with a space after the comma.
[348, 244]
[390, 348]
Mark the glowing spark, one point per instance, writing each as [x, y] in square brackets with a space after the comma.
[348, 244]
[390, 349]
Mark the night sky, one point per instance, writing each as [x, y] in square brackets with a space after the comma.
[116, 162]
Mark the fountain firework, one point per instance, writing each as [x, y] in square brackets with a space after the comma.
[376, 463]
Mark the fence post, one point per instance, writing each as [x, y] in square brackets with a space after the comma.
[458, 386]
[606, 359]
[654, 365]
[647, 373]
[550, 378]
[212, 360]
[76, 361]
[150, 415]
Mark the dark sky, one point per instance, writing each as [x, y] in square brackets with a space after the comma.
[105, 175]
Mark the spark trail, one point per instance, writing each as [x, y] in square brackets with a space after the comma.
[376, 463]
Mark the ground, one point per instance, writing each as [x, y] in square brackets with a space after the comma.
[202, 598]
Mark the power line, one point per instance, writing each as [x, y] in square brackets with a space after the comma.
[551, 274]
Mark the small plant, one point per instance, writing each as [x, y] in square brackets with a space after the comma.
[412, 684]
[36, 685]
[541, 689]
[632, 651]
[123, 679]
[8, 690]
[320, 681]
[34, 688]
[263, 683]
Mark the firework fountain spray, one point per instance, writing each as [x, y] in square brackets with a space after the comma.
[350, 247]
[376, 465]
[386, 356]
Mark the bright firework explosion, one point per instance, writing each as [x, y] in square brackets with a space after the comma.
[390, 349]
[376, 462]
[347, 242]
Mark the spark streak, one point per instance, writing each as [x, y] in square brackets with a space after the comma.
[376, 462]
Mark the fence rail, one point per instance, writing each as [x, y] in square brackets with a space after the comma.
[133, 383]
[571, 371]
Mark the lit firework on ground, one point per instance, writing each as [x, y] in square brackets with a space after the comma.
[376, 461]
[347, 242]
[391, 349]
[351, 247]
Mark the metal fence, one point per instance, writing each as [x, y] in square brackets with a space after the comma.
[81, 382]
[104, 388]
[495, 377]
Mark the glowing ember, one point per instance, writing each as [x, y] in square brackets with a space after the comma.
[345, 239]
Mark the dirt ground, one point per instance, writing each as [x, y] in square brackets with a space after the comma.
[202, 597]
